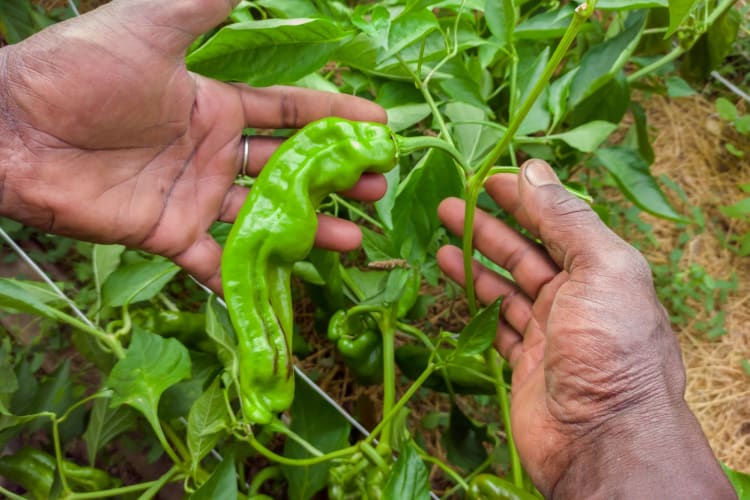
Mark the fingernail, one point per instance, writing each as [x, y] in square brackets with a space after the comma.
[538, 173]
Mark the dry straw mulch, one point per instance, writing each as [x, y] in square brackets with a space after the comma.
[690, 148]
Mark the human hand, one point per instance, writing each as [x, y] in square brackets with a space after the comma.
[108, 138]
[598, 382]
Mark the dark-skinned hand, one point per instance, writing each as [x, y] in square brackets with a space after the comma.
[106, 137]
[598, 382]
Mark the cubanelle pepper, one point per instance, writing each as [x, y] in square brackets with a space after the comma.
[275, 228]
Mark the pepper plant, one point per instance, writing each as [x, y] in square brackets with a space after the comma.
[473, 87]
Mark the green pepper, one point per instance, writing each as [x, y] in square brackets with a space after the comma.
[187, 327]
[466, 374]
[363, 355]
[34, 470]
[275, 228]
[489, 487]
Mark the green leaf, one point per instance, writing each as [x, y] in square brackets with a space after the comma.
[206, 421]
[384, 206]
[150, 366]
[609, 103]
[679, 10]
[137, 282]
[726, 109]
[551, 24]
[588, 137]
[501, 19]
[480, 332]
[677, 87]
[267, 52]
[409, 477]
[740, 482]
[404, 116]
[738, 210]
[219, 329]
[16, 21]
[288, 9]
[178, 399]
[23, 298]
[603, 61]
[316, 421]
[631, 172]
[473, 140]
[530, 70]
[557, 101]
[415, 221]
[105, 424]
[222, 485]
[463, 441]
[642, 133]
[408, 29]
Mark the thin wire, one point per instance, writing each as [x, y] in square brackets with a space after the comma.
[42, 274]
[734, 88]
[73, 7]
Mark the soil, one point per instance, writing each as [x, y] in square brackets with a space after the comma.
[690, 145]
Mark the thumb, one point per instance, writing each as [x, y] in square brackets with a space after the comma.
[570, 230]
[184, 20]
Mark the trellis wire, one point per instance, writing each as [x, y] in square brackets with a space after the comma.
[734, 88]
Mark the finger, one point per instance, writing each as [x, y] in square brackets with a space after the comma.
[571, 231]
[515, 308]
[260, 149]
[337, 234]
[370, 187]
[202, 260]
[529, 264]
[294, 107]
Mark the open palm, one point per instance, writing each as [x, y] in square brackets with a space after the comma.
[116, 142]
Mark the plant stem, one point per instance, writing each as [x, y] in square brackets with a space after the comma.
[158, 484]
[404, 399]
[388, 334]
[496, 367]
[296, 462]
[581, 15]
[455, 476]
[272, 472]
[352, 208]
[58, 455]
[103, 337]
[10, 494]
[278, 426]
[123, 490]
[654, 66]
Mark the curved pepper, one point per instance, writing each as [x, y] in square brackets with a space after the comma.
[275, 228]
[489, 487]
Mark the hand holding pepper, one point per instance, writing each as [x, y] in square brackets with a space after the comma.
[105, 136]
[598, 383]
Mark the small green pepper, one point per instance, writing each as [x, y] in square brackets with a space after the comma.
[489, 487]
[275, 228]
[363, 355]
[34, 470]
